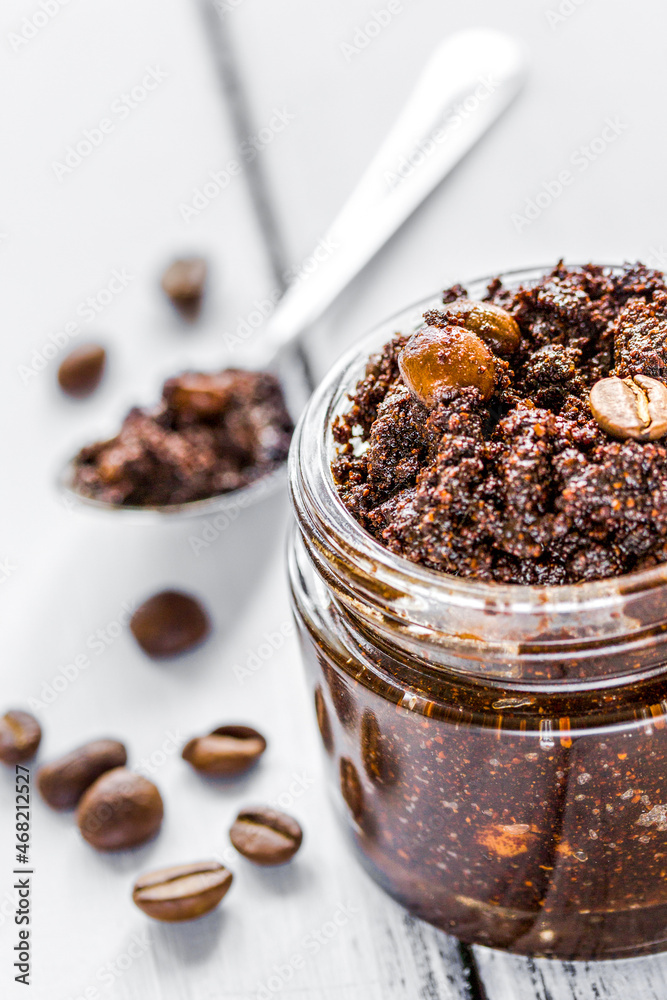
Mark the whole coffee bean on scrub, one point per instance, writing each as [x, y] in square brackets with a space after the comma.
[62, 782]
[182, 892]
[266, 836]
[631, 407]
[184, 282]
[226, 752]
[120, 810]
[20, 735]
[81, 371]
[493, 324]
[449, 356]
[169, 623]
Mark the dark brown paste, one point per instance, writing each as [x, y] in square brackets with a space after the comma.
[524, 486]
[210, 434]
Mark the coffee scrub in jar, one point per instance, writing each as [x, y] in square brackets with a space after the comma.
[478, 576]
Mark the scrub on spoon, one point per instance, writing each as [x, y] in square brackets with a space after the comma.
[374, 211]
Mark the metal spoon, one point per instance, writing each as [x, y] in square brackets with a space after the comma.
[468, 81]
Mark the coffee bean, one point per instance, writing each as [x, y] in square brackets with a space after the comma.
[184, 283]
[182, 892]
[63, 781]
[631, 407]
[198, 396]
[266, 836]
[20, 734]
[446, 357]
[323, 721]
[169, 623]
[227, 751]
[81, 371]
[350, 787]
[379, 762]
[120, 810]
[494, 325]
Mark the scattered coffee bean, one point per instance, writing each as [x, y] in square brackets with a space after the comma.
[184, 283]
[494, 325]
[266, 836]
[169, 623]
[20, 734]
[63, 781]
[379, 762]
[227, 751]
[450, 356]
[81, 371]
[120, 810]
[182, 892]
[350, 786]
[323, 721]
[631, 407]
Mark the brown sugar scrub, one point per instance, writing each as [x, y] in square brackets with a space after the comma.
[209, 434]
[495, 752]
[519, 439]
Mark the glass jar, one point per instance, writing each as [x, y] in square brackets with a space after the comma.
[498, 753]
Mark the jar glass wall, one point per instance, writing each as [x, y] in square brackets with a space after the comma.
[497, 752]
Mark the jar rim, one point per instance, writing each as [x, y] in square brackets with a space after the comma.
[341, 538]
[317, 418]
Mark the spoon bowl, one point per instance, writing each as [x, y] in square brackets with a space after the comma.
[480, 69]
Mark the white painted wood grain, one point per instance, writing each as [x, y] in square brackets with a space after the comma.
[512, 978]
[321, 912]
[121, 209]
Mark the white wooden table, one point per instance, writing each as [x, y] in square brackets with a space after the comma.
[300, 78]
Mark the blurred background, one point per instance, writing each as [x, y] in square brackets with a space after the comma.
[62, 236]
[305, 95]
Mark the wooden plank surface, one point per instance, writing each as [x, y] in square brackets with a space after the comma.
[466, 228]
[122, 208]
[511, 978]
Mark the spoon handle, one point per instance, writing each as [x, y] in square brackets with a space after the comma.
[468, 81]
